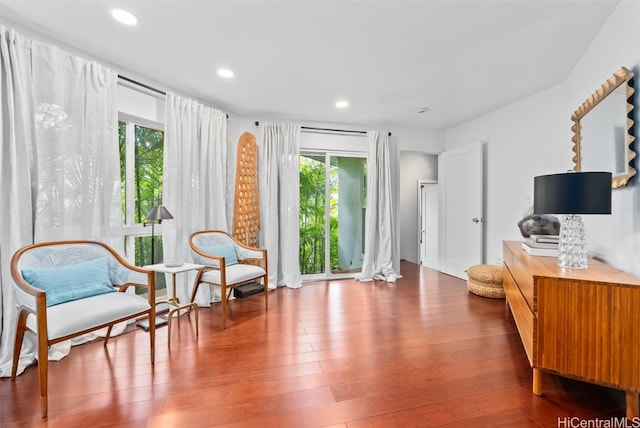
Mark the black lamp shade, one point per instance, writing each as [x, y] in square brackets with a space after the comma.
[159, 213]
[572, 193]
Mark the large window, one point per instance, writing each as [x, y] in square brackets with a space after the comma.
[141, 157]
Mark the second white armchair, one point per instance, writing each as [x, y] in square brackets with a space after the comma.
[227, 264]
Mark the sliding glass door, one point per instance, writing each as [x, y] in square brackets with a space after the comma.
[332, 204]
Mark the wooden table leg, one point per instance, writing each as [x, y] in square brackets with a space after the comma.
[632, 403]
[537, 382]
[188, 307]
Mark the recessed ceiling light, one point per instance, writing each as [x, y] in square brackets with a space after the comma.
[226, 73]
[124, 17]
[342, 104]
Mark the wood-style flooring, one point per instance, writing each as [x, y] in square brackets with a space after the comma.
[421, 352]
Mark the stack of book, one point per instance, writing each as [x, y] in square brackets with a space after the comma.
[541, 245]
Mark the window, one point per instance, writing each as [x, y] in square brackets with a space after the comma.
[141, 167]
[332, 200]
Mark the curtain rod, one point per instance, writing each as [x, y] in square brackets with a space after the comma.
[151, 88]
[310, 128]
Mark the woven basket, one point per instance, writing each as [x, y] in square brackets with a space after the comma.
[486, 281]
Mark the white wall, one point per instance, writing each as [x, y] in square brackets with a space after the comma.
[521, 141]
[533, 137]
[418, 160]
[414, 166]
[615, 238]
[141, 103]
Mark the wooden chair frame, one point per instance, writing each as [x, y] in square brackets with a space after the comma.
[217, 263]
[39, 309]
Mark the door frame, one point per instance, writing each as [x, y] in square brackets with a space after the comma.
[422, 182]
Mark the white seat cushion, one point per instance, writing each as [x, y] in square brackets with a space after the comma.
[77, 315]
[235, 274]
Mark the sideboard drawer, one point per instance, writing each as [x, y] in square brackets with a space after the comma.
[524, 279]
[522, 314]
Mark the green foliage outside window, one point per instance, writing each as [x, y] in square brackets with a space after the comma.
[312, 215]
[147, 184]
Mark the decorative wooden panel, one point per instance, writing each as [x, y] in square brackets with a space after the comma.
[599, 324]
[246, 206]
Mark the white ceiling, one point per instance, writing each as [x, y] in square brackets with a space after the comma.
[294, 59]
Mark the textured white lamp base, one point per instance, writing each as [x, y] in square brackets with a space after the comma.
[572, 248]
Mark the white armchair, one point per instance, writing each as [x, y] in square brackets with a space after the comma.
[228, 264]
[69, 288]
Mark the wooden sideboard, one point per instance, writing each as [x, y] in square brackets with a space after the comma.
[578, 323]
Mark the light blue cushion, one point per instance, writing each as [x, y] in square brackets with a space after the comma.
[72, 282]
[228, 251]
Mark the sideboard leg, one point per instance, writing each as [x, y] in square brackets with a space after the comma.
[537, 382]
[632, 403]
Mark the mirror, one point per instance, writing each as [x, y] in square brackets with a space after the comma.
[603, 130]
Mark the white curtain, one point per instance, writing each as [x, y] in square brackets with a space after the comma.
[279, 176]
[381, 260]
[60, 176]
[194, 182]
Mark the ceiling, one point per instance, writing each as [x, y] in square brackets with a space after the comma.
[295, 59]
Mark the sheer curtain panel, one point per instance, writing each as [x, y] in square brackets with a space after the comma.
[381, 259]
[60, 176]
[278, 154]
[194, 182]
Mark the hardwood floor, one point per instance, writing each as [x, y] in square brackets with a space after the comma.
[421, 352]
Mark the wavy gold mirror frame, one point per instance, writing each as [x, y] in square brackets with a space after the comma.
[620, 77]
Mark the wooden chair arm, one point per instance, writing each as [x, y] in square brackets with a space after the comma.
[123, 287]
[206, 268]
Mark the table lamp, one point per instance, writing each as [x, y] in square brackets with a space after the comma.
[155, 216]
[572, 194]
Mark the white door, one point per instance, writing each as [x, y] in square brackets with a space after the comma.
[428, 217]
[461, 209]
